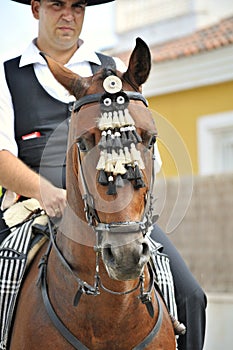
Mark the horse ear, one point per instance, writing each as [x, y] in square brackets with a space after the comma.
[139, 64]
[74, 83]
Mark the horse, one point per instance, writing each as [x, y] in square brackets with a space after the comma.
[92, 286]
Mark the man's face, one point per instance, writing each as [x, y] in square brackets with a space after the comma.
[60, 22]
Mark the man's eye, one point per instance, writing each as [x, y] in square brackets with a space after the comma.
[56, 4]
[79, 6]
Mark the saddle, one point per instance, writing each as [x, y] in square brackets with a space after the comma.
[16, 253]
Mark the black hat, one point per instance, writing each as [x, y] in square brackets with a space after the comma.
[89, 2]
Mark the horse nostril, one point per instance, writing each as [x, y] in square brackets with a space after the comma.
[145, 248]
[107, 251]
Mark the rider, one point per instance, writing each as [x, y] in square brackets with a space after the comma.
[60, 24]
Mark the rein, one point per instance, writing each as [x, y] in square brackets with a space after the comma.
[117, 227]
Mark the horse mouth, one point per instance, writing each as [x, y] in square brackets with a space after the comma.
[123, 274]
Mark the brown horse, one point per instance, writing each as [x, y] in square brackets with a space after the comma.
[96, 287]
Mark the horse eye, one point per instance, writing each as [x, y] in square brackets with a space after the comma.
[107, 101]
[120, 100]
[82, 145]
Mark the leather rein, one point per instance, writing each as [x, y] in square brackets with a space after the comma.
[92, 218]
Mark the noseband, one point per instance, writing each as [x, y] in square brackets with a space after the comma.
[143, 226]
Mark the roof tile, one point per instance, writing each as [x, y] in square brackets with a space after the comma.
[206, 39]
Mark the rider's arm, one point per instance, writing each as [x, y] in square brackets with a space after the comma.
[17, 177]
[14, 174]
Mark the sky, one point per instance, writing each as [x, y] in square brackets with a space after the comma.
[18, 27]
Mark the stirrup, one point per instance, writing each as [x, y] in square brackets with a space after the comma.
[179, 328]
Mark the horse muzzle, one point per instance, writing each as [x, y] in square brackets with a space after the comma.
[125, 255]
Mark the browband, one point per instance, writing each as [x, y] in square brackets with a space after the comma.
[132, 95]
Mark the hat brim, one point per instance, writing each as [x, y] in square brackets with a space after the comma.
[90, 2]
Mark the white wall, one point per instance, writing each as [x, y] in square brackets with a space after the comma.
[219, 334]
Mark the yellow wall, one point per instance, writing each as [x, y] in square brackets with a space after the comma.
[182, 109]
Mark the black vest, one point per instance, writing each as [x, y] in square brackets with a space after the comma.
[36, 111]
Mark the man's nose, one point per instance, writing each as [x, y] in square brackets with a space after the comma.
[68, 14]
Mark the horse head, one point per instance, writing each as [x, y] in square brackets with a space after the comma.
[110, 160]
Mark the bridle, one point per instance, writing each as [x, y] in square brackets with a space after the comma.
[144, 226]
[89, 207]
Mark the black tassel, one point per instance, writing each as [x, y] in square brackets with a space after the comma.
[118, 143]
[124, 139]
[119, 181]
[102, 144]
[138, 178]
[137, 172]
[109, 141]
[103, 180]
[131, 137]
[139, 184]
[111, 188]
[130, 173]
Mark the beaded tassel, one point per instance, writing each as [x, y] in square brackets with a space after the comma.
[119, 181]
[138, 177]
[128, 119]
[111, 186]
[109, 164]
[102, 161]
[119, 168]
[119, 157]
[102, 179]
[122, 119]
[136, 156]
[102, 142]
[130, 173]
[115, 120]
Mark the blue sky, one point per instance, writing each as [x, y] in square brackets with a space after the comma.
[18, 27]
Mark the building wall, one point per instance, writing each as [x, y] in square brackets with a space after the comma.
[182, 109]
[202, 229]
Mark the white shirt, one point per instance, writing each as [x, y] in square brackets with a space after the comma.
[79, 63]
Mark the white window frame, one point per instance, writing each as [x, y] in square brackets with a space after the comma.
[208, 128]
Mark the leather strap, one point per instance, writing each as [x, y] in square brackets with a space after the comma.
[132, 95]
[156, 328]
[64, 331]
[59, 325]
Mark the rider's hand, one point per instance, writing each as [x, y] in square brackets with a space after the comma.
[52, 199]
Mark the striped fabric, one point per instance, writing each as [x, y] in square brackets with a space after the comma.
[165, 281]
[13, 256]
[164, 278]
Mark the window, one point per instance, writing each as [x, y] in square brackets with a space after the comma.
[215, 143]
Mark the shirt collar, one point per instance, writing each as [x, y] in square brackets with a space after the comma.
[83, 54]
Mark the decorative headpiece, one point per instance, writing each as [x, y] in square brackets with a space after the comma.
[119, 157]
